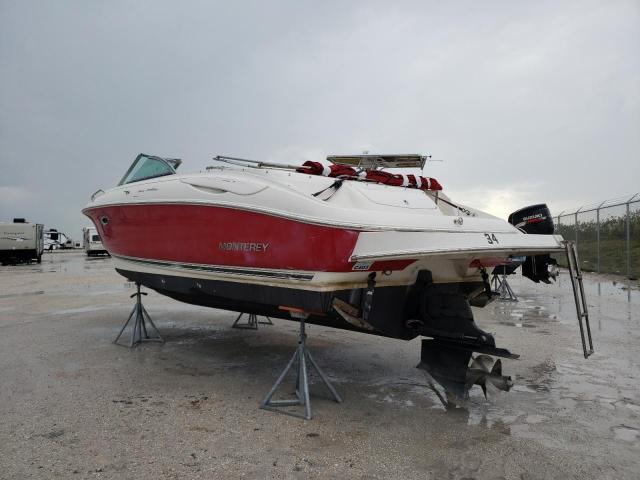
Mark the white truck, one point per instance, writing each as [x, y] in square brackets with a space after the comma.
[21, 241]
[92, 242]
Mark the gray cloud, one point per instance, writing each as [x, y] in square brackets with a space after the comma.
[525, 101]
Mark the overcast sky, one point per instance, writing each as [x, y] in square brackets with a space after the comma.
[525, 101]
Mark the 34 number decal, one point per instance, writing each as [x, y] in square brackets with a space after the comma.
[491, 238]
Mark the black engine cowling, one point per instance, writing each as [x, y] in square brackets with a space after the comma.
[535, 219]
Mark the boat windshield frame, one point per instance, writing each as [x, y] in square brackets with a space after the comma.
[172, 165]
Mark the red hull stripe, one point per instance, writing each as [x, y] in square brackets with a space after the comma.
[212, 235]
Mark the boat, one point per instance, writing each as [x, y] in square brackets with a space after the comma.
[345, 241]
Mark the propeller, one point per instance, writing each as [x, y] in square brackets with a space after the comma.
[483, 369]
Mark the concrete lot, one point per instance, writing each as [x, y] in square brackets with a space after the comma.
[73, 405]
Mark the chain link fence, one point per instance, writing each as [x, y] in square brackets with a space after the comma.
[607, 235]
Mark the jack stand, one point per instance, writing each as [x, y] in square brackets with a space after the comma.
[139, 331]
[251, 323]
[301, 355]
[501, 286]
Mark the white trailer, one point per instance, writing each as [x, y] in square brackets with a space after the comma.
[21, 241]
[92, 242]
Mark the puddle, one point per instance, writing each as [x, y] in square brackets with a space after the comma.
[24, 294]
[533, 419]
[84, 309]
[519, 325]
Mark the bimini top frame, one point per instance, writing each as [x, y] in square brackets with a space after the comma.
[363, 162]
[375, 162]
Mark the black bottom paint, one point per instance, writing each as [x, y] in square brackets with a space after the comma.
[434, 310]
[249, 298]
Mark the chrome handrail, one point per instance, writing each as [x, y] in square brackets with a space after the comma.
[95, 194]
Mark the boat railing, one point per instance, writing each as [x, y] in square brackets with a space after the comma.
[96, 194]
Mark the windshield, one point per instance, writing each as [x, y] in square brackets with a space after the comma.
[149, 166]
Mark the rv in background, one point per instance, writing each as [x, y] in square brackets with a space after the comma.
[92, 242]
[21, 241]
[54, 240]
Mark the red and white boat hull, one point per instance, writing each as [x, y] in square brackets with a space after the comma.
[258, 241]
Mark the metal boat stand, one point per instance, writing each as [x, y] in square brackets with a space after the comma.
[300, 358]
[251, 323]
[139, 332]
[500, 284]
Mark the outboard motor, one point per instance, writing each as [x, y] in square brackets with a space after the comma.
[535, 219]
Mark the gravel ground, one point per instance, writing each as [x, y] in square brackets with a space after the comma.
[73, 405]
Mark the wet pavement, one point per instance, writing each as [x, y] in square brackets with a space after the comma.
[73, 405]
